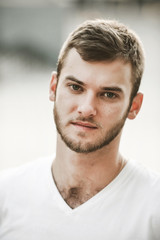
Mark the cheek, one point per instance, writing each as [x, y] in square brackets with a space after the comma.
[64, 103]
[113, 112]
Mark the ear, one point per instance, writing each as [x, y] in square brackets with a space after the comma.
[52, 87]
[136, 106]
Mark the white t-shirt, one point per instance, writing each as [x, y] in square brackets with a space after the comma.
[31, 207]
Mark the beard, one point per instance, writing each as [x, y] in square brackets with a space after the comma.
[88, 147]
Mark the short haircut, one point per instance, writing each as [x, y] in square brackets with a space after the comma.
[106, 40]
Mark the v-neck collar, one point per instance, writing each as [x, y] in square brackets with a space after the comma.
[107, 191]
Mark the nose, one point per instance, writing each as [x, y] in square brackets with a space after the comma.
[87, 107]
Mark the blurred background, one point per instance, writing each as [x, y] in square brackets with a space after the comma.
[31, 34]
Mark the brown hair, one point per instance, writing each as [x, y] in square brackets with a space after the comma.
[106, 40]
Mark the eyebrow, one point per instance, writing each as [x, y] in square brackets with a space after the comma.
[72, 78]
[115, 89]
[111, 88]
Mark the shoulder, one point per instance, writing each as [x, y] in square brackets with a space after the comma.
[143, 175]
[142, 187]
[143, 183]
[18, 176]
[23, 185]
[147, 184]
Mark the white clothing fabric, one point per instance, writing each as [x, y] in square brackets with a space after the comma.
[31, 208]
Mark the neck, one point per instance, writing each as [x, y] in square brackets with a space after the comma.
[85, 174]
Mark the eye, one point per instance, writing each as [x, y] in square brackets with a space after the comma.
[75, 87]
[110, 95]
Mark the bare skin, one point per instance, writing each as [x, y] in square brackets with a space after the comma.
[81, 174]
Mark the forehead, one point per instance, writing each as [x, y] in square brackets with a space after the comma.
[98, 73]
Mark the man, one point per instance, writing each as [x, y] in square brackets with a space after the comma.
[89, 190]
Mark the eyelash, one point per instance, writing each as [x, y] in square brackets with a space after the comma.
[110, 95]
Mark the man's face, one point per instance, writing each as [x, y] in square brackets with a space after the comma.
[92, 102]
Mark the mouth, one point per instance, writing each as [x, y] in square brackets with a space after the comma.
[84, 125]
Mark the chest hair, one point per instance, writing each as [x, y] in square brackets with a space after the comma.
[76, 196]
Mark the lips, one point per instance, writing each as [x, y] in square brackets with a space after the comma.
[84, 124]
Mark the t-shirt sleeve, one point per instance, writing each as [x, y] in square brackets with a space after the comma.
[155, 221]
